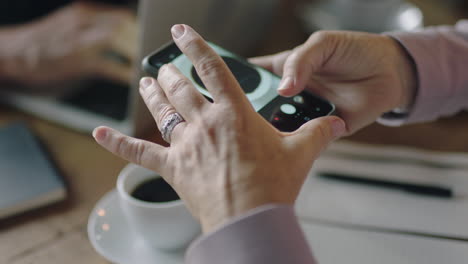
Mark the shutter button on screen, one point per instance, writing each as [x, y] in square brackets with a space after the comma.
[288, 109]
[298, 99]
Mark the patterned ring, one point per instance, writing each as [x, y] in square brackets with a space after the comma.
[169, 124]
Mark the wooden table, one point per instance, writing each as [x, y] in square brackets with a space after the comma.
[58, 234]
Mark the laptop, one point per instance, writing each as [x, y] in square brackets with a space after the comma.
[235, 25]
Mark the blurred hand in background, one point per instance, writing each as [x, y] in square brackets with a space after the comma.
[81, 40]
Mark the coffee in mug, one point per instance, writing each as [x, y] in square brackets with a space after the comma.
[155, 190]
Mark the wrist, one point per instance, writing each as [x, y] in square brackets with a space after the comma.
[407, 73]
[229, 208]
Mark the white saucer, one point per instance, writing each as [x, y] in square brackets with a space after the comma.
[111, 237]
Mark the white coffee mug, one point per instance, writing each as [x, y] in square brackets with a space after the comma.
[164, 225]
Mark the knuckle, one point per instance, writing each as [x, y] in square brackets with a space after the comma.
[209, 66]
[122, 146]
[162, 111]
[176, 86]
[151, 96]
[320, 36]
[192, 44]
[293, 59]
[206, 128]
[323, 132]
[162, 71]
[130, 149]
[326, 39]
[139, 152]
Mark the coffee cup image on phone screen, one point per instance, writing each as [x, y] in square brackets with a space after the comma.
[285, 113]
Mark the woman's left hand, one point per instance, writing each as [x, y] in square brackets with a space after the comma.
[224, 159]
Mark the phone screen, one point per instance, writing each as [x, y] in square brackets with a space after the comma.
[285, 113]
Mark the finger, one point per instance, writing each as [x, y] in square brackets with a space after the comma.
[180, 92]
[114, 71]
[315, 135]
[273, 63]
[303, 62]
[213, 71]
[158, 104]
[144, 153]
[125, 40]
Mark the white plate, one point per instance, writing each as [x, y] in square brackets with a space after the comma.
[111, 237]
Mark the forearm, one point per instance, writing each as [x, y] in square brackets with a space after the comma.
[440, 55]
[268, 234]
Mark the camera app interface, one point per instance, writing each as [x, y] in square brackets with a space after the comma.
[259, 85]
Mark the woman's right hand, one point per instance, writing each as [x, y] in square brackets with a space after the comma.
[364, 75]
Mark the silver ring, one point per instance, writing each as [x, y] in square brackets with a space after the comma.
[169, 124]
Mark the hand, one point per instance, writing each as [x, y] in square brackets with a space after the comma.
[364, 75]
[75, 42]
[225, 159]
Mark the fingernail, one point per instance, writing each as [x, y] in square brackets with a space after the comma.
[146, 82]
[285, 84]
[338, 128]
[99, 135]
[178, 31]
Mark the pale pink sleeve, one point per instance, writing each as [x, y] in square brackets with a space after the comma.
[269, 234]
[441, 58]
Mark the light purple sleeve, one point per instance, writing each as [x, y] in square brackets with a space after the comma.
[268, 234]
[441, 58]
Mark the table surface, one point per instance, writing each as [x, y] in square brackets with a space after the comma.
[57, 234]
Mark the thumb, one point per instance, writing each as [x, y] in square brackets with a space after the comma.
[316, 134]
[304, 61]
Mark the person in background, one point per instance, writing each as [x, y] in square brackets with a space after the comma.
[46, 43]
[239, 175]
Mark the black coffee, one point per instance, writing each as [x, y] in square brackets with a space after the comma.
[155, 190]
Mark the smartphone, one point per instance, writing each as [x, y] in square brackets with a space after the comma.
[285, 113]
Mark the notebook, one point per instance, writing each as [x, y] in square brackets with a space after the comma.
[28, 179]
[386, 209]
[340, 245]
